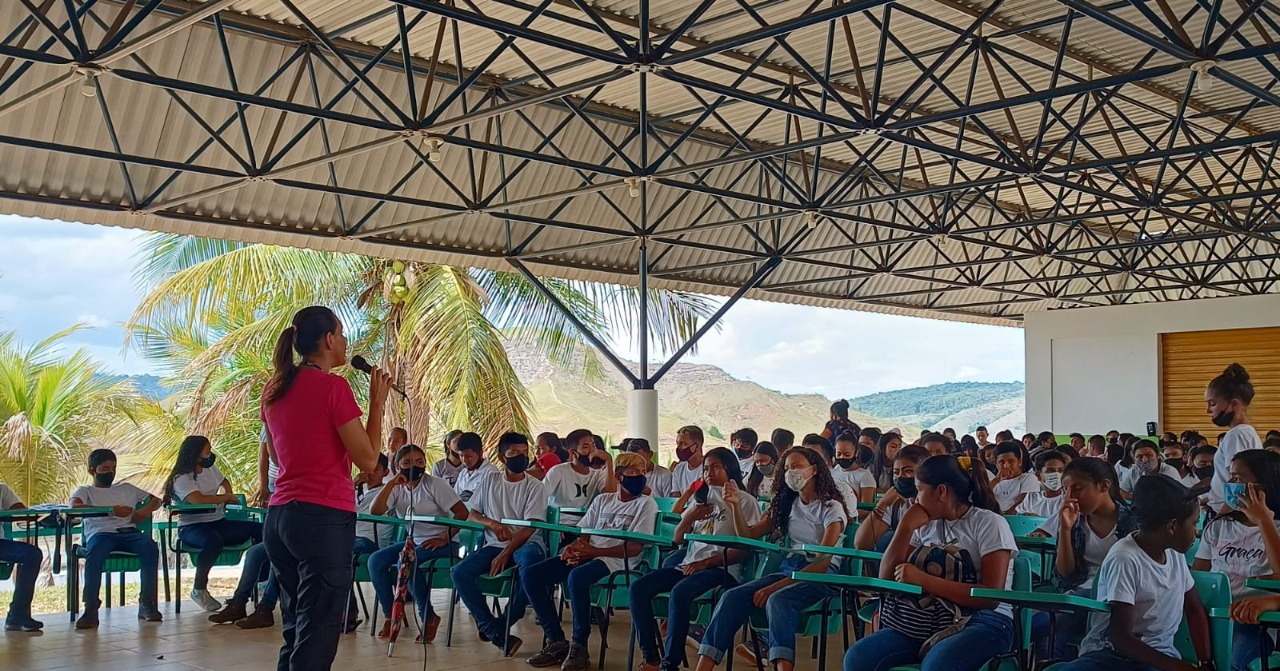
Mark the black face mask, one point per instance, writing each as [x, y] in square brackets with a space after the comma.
[104, 479]
[207, 462]
[906, 487]
[1224, 418]
[414, 473]
[518, 463]
[844, 463]
[1176, 463]
[1203, 472]
[745, 452]
[583, 459]
[634, 484]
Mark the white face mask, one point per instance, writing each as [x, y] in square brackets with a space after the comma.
[1053, 481]
[796, 480]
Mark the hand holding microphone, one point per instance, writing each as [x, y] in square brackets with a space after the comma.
[379, 380]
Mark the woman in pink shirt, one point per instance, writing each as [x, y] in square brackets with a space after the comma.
[316, 435]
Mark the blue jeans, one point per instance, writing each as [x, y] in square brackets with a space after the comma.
[384, 568]
[540, 582]
[101, 545]
[257, 567]
[212, 537]
[782, 610]
[466, 575]
[27, 559]
[1068, 629]
[1104, 660]
[1245, 639]
[683, 591]
[988, 634]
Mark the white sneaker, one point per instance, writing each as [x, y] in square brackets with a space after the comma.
[205, 600]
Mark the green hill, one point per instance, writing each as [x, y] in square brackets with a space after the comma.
[962, 405]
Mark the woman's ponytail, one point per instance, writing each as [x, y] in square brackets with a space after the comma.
[965, 476]
[303, 336]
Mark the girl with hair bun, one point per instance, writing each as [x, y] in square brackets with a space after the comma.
[1227, 400]
[839, 422]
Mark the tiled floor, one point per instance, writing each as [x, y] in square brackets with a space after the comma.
[188, 641]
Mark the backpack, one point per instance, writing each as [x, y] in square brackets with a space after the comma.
[927, 617]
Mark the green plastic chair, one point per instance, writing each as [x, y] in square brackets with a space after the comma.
[613, 592]
[118, 563]
[665, 503]
[230, 556]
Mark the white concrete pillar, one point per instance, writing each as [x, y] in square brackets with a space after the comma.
[642, 415]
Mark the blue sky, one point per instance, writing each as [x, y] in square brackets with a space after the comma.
[54, 274]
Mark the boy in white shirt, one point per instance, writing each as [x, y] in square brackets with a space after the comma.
[448, 468]
[688, 466]
[1048, 501]
[1013, 483]
[475, 468]
[117, 532]
[658, 477]
[371, 537]
[585, 562]
[575, 484]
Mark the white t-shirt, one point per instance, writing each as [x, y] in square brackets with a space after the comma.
[682, 477]
[659, 481]
[567, 488]
[121, 494]
[1008, 491]
[382, 534]
[610, 512]
[1235, 550]
[468, 483]
[980, 532]
[8, 499]
[432, 497]
[809, 522]
[446, 471]
[273, 469]
[1128, 575]
[207, 483]
[1130, 477]
[1041, 505]
[855, 479]
[1237, 440]
[719, 523]
[1189, 480]
[498, 498]
[1095, 548]
[745, 465]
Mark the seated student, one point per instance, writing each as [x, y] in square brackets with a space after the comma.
[549, 452]
[475, 469]
[823, 447]
[657, 478]
[810, 510]
[585, 562]
[1096, 447]
[850, 468]
[955, 506]
[688, 466]
[196, 480]
[700, 570]
[447, 469]
[1272, 444]
[1014, 481]
[886, 451]
[372, 537]
[743, 442]
[936, 443]
[1050, 465]
[574, 484]
[257, 567]
[760, 482]
[1202, 467]
[1119, 459]
[510, 494]
[1146, 461]
[1175, 457]
[117, 532]
[1140, 579]
[413, 492]
[876, 530]
[1093, 518]
[26, 558]
[1245, 543]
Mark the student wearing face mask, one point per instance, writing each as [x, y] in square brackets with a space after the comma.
[585, 562]
[1202, 459]
[514, 495]
[760, 483]
[475, 469]
[701, 570]
[576, 483]
[116, 532]
[447, 469]
[808, 510]
[1245, 543]
[1146, 461]
[1050, 465]
[657, 478]
[876, 530]
[688, 467]
[1227, 400]
[850, 467]
[743, 442]
[1176, 458]
[196, 479]
[414, 493]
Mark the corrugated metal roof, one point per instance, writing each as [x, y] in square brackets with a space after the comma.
[303, 150]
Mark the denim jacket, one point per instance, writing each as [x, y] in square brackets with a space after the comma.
[1125, 525]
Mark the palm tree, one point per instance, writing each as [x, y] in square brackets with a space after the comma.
[440, 329]
[53, 408]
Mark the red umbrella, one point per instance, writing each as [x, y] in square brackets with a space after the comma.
[408, 562]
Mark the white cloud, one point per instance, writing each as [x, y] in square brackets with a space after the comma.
[92, 321]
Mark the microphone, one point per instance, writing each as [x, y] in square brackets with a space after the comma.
[359, 363]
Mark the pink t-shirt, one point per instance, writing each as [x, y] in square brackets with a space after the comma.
[314, 465]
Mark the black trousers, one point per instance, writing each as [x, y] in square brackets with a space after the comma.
[310, 549]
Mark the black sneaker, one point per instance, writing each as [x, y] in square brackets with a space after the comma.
[552, 655]
[17, 623]
[578, 659]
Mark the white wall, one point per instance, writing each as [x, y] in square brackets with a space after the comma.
[1096, 369]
